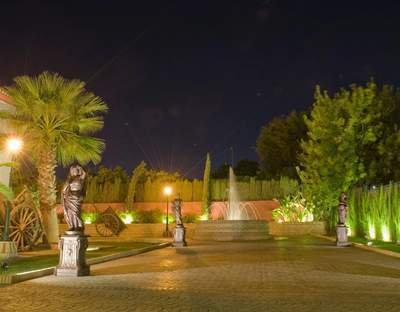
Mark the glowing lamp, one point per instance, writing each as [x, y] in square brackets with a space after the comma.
[167, 190]
[14, 145]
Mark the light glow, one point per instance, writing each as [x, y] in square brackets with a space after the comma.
[385, 233]
[371, 231]
[127, 218]
[167, 190]
[14, 145]
[204, 217]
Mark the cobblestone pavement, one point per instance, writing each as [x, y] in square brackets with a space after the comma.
[302, 274]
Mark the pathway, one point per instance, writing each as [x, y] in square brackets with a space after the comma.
[299, 274]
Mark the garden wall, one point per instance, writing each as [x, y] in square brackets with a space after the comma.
[133, 231]
[261, 208]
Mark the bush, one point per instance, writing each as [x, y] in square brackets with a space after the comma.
[294, 208]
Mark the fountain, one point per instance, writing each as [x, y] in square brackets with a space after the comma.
[235, 220]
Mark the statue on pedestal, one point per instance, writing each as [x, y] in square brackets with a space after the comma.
[73, 243]
[342, 209]
[341, 229]
[176, 206]
[72, 196]
[179, 232]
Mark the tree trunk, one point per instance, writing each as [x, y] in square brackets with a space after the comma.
[47, 194]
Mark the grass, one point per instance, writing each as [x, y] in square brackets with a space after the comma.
[29, 263]
[376, 244]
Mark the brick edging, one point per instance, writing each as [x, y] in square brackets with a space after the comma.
[368, 248]
[7, 279]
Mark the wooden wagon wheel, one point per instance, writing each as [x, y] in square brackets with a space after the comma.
[107, 225]
[25, 227]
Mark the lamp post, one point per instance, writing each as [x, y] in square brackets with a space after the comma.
[167, 192]
[13, 146]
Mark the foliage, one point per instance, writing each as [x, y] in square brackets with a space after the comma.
[374, 213]
[108, 185]
[340, 130]
[89, 217]
[246, 168]
[222, 172]
[249, 188]
[137, 173]
[293, 208]
[278, 145]
[206, 187]
[56, 119]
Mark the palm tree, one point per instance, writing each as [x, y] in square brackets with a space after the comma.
[56, 118]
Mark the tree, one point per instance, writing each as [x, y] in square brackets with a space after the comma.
[245, 167]
[340, 131]
[56, 118]
[222, 172]
[138, 172]
[278, 145]
[206, 186]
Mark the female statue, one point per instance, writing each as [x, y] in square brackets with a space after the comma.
[72, 196]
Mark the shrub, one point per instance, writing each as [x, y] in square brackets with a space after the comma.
[294, 208]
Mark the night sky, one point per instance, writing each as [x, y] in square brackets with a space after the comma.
[183, 78]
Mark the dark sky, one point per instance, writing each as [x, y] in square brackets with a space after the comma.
[185, 77]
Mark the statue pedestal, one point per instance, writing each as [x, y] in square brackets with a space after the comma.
[7, 250]
[179, 237]
[341, 236]
[72, 247]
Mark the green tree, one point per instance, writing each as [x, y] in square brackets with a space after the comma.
[206, 186]
[245, 167]
[340, 129]
[278, 145]
[138, 172]
[222, 172]
[56, 118]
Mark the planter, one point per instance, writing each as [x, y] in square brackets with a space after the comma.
[293, 229]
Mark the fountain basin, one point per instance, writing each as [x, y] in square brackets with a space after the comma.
[231, 230]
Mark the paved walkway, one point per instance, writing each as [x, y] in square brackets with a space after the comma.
[303, 274]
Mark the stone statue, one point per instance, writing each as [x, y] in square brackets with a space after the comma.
[176, 205]
[342, 208]
[72, 196]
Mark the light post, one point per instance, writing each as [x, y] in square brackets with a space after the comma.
[167, 192]
[13, 146]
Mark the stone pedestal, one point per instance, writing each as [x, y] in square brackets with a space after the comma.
[341, 236]
[8, 250]
[72, 247]
[179, 237]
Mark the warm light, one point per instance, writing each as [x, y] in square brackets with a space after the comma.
[87, 221]
[167, 190]
[127, 218]
[204, 217]
[14, 145]
[385, 233]
[349, 231]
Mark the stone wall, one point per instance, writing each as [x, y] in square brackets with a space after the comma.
[155, 230]
[292, 229]
[133, 231]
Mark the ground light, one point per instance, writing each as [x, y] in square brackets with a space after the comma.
[371, 231]
[385, 233]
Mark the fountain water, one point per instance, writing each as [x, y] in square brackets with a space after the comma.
[240, 220]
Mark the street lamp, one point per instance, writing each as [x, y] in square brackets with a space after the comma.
[13, 146]
[167, 192]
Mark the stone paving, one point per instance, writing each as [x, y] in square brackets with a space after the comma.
[297, 274]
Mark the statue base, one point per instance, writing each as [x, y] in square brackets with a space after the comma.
[8, 250]
[341, 236]
[72, 255]
[179, 237]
